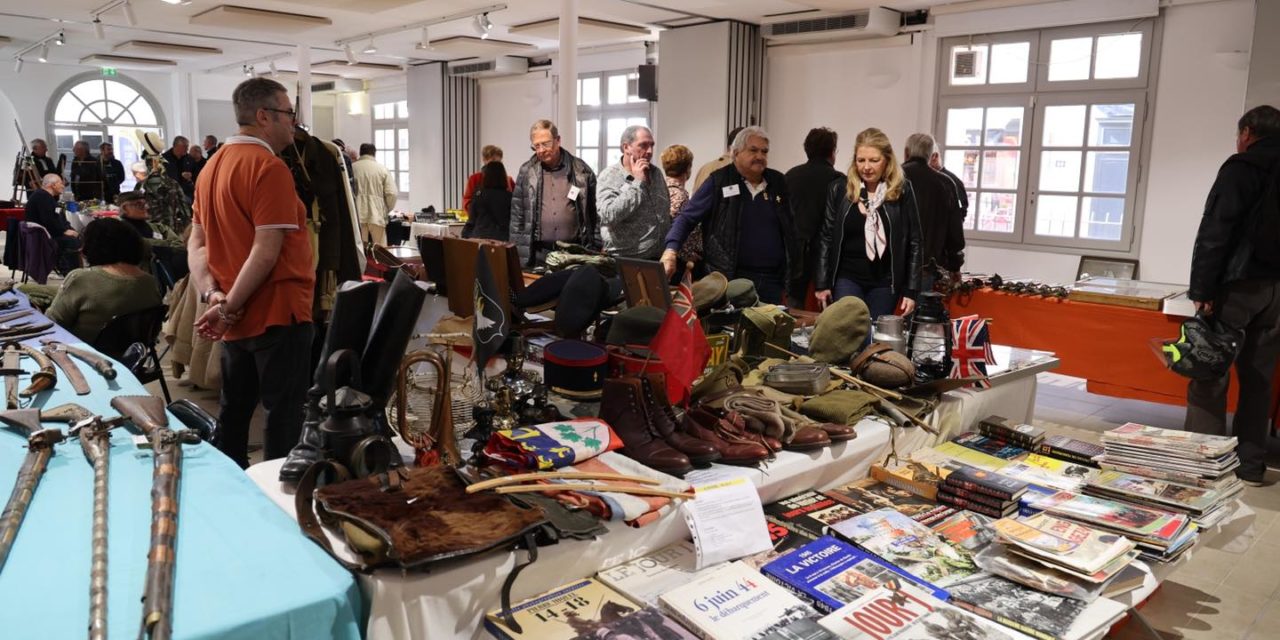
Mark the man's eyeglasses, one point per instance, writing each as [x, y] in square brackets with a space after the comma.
[538, 146]
[293, 115]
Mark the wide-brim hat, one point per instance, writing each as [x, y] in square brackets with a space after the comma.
[741, 293]
[709, 292]
[585, 295]
[840, 331]
[635, 326]
[151, 142]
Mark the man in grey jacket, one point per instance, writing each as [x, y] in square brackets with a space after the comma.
[632, 200]
[555, 198]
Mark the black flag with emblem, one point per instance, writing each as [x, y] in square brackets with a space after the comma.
[490, 324]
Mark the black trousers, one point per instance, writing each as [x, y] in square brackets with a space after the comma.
[1252, 305]
[272, 368]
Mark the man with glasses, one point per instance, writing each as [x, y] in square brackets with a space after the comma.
[633, 202]
[555, 198]
[250, 259]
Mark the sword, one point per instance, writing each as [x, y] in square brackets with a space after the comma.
[102, 365]
[42, 379]
[95, 440]
[14, 315]
[148, 415]
[39, 449]
[11, 368]
[59, 355]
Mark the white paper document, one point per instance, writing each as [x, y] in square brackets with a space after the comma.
[726, 521]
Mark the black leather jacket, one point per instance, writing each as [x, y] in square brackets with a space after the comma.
[1230, 244]
[900, 219]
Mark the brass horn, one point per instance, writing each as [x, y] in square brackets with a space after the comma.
[439, 437]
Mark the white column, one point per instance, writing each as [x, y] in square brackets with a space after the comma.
[567, 95]
[304, 84]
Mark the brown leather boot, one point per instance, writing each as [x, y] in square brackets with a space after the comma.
[734, 446]
[622, 406]
[663, 418]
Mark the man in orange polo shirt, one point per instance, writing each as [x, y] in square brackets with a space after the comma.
[251, 260]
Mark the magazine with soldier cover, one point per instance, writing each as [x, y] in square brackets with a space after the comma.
[1043, 615]
[1168, 439]
[909, 545]
[966, 529]
[736, 602]
[869, 494]
[570, 612]
[830, 574]
[1062, 542]
[904, 612]
[810, 512]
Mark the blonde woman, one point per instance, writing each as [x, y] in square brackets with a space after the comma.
[869, 245]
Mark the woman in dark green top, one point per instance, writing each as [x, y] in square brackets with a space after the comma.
[112, 285]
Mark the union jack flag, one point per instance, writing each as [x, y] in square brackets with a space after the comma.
[971, 351]
[680, 343]
[682, 300]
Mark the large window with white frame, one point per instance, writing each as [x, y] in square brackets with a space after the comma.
[391, 137]
[607, 105]
[97, 109]
[1045, 129]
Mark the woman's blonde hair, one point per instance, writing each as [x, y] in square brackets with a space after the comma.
[893, 180]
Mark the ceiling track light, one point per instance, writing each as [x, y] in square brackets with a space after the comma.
[275, 73]
[351, 56]
[425, 43]
[61, 39]
[484, 25]
[17, 65]
[44, 52]
[97, 28]
[128, 14]
[370, 48]
[246, 70]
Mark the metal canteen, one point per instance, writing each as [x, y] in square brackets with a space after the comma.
[345, 409]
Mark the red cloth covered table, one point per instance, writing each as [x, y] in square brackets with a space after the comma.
[1106, 345]
[11, 214]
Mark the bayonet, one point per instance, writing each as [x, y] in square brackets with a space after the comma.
[148, 415]
[59, 355]
[40, 443]
[102, 365]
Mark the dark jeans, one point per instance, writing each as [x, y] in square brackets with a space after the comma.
[272, 367]
[879, 299]
[1252, 305]
[770, 284]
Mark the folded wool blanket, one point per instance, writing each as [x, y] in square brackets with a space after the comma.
[843, 406]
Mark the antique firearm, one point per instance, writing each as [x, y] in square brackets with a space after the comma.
[148, 415]
[40, 444]
[100, 364]
[95, 439]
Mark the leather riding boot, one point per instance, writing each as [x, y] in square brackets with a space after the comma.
[623, 407]
[389, 337]
[734, 447]
[310, 448]
[663, 417]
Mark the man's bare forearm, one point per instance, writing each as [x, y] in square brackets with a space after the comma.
[198, 261]
[267, 244]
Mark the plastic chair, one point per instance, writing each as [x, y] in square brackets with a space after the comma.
[131, 338]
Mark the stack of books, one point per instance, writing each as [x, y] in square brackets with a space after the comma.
[1162, 536]
[984, 492]
[1193, 459]
[1074, 549]
[1020, 435]
[1207, 507]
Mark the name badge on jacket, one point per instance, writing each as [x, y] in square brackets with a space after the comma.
[730, 191]
[573, 192]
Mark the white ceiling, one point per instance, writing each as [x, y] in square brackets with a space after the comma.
[26, 22]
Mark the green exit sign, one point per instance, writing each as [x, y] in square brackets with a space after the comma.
[108, 71]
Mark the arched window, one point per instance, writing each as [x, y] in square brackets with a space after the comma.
[97, 109]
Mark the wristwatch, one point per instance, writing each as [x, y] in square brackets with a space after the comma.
[208, 293]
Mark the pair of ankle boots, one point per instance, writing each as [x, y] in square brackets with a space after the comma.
[638, 410]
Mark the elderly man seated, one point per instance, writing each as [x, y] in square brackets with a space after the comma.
[159, 239]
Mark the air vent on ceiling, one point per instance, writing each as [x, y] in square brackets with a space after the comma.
[859, 24]
[499, 66]
[340, 85]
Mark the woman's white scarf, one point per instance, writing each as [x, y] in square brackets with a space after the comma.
[872, 231]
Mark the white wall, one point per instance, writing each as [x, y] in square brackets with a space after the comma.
[426, 133]
[508, 106]
[693, 90]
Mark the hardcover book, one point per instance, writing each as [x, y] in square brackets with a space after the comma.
[919, 478]
[736, 602]
[909, 545]
[1026, 435]
[954, 493]
[649, 576]
[966, 529]
[1036, 613]
[809, 512]
[829, 574]
[986, 482]
[977, 507]
[1071, 450]
[869, 494]
[565, 613]
[1002, 449]
[903, 612]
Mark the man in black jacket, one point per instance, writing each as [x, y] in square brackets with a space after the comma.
[42, 209]
[112, 172]
[86, 173]
[957, 185]
[941, 230]
[807, 184]
[181, 167]
[1235, 276]
[745, 215]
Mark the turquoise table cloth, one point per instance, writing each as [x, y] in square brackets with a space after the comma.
[243, 568]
